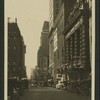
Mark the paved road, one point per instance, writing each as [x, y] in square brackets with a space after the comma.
[47, 93]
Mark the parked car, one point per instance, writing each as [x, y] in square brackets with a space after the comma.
[60, 85]
[33, 85]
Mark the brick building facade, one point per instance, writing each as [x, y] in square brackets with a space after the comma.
[16, 52]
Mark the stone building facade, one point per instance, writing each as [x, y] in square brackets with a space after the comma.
[16, 52]
[60, 8]
[43, 53]
[77, 41]
[70, 42]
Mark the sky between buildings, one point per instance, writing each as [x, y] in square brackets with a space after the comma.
[30, 16]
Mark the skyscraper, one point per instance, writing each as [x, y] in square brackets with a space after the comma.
[16, 52]
[43, 53]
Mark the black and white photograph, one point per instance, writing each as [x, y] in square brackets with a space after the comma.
[50, 50]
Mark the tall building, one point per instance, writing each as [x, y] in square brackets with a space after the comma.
[53, 11]
[16, 52]
[70, 41]
[77, 41]
[43, 53]
[59, 11]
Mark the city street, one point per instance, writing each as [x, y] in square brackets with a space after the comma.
[50, 49]
[48, 93]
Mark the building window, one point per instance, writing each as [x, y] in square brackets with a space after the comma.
[58, 54]
[14, 63]
[55, 40]
[14, 37]
[14, 47]
[78, 41]
[73, 44]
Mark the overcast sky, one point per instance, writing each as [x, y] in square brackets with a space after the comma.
[30, 16]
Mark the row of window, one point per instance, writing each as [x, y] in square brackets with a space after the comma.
[12, 47]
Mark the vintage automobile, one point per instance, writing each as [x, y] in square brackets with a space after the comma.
[60, 85]
[33, 83]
